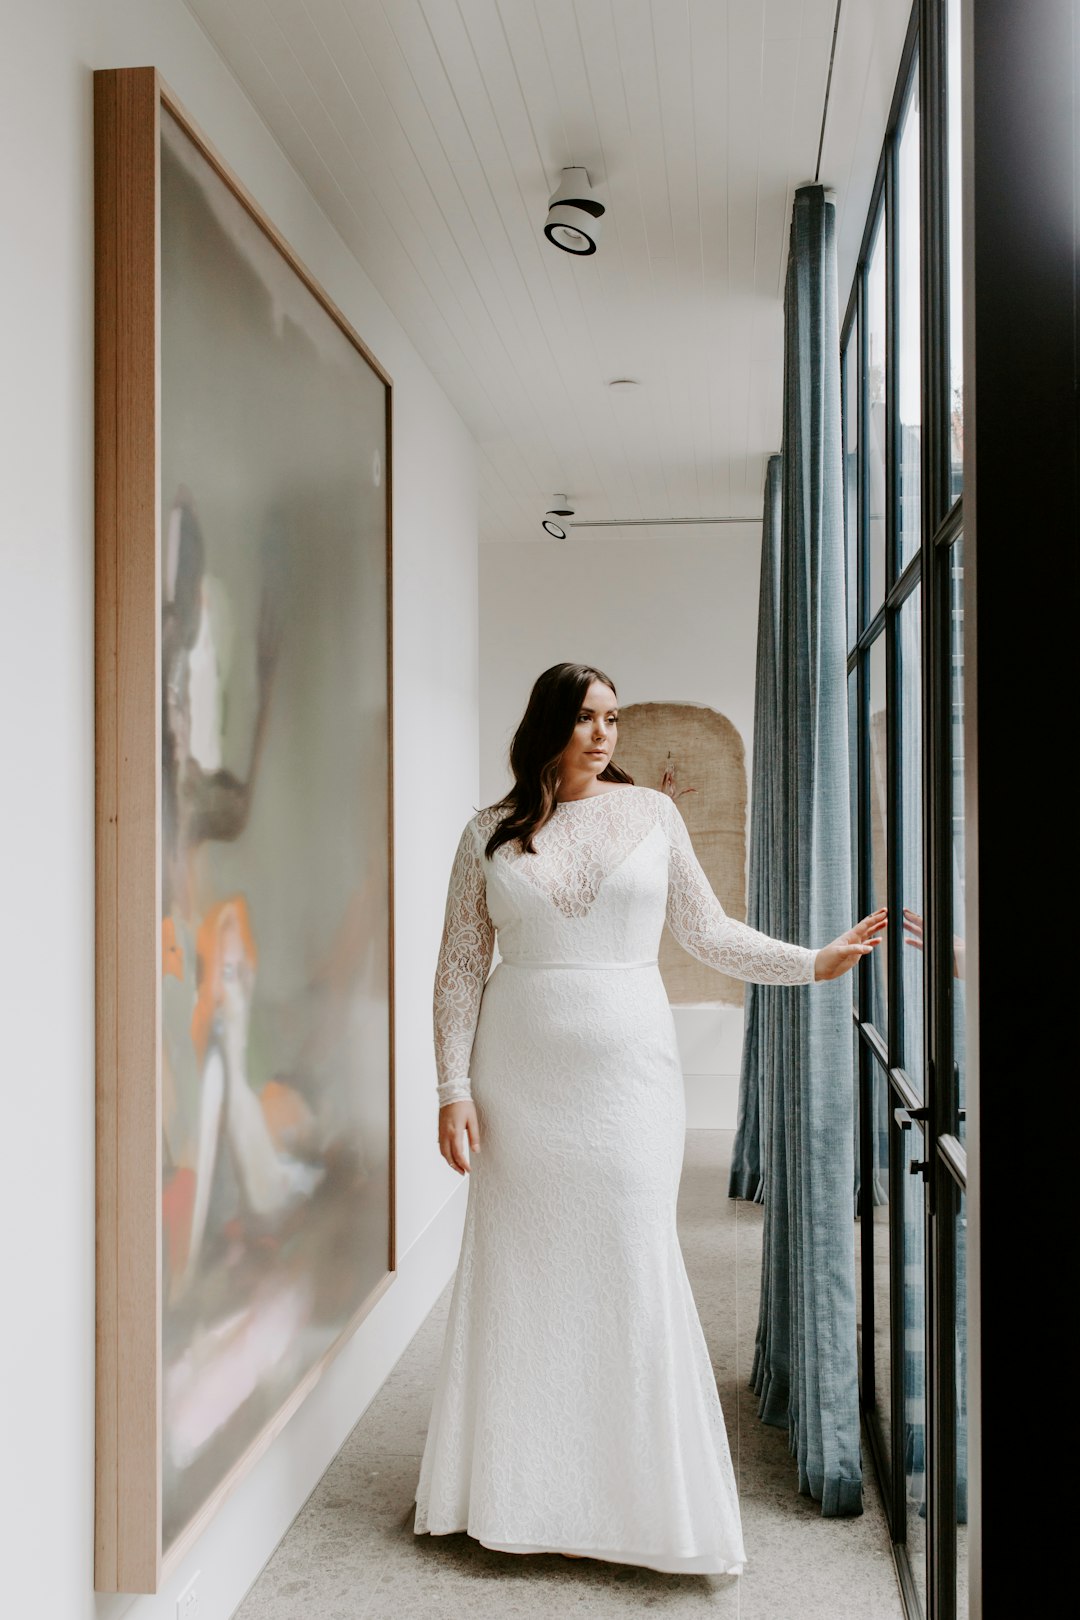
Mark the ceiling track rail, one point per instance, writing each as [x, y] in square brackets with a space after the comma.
[828, 88]
[652, 523]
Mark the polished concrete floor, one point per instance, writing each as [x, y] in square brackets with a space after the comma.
[351, 1553]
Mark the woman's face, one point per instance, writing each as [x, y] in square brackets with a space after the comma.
[593, 740]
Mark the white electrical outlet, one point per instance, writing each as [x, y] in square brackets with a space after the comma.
[188, 1604]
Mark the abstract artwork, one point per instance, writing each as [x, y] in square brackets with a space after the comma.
[245, 1058]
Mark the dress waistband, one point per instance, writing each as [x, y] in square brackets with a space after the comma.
[510, 962]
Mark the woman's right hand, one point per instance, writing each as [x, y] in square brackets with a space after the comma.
[458, 1123]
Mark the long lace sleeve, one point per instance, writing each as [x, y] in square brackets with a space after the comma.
[702, 926]
[468, 941]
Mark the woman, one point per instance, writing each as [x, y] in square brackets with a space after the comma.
[575, 1409]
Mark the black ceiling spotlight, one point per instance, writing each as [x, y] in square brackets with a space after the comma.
[573, 220]
[551, 524]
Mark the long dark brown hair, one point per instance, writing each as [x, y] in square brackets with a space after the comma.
[542, 734]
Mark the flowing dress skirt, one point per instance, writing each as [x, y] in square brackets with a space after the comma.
[575, 1407]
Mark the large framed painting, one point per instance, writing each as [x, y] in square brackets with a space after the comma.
[244, 818]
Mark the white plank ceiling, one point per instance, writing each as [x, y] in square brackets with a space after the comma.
[432, 133]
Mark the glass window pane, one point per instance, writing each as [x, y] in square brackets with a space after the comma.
[878, 749]
[909, 647]
[853, 781]
[851, 480]
[961, 1410]
[956, 640]
[909, 376]
[914, 1342]
[880, 1107]
[954, 182]
[875, 411]
[860, 1175]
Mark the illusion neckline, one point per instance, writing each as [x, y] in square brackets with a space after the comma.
[585, 797]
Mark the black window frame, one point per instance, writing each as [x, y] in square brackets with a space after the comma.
[923, 1109]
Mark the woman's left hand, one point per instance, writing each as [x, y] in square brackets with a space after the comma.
[841, 955]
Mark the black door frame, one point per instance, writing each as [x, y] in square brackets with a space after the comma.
[1020, 516]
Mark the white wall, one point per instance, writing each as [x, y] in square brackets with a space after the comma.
[671, 620]
[46, 804]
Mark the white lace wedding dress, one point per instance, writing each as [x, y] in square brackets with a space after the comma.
[575, 1408]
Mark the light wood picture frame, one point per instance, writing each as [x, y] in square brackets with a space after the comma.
[244, 831]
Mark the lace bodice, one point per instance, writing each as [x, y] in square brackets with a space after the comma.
[608, 872]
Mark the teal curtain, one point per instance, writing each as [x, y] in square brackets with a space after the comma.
[760, 1006]
[798, 1072]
